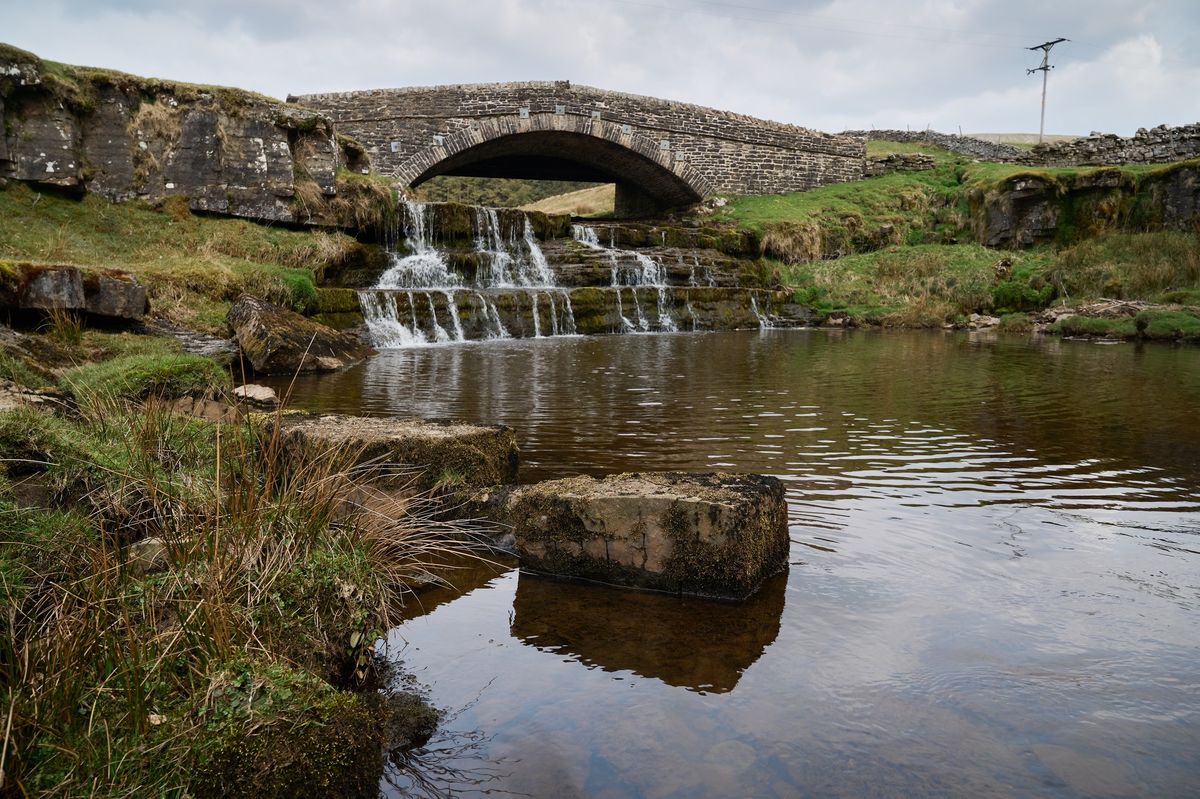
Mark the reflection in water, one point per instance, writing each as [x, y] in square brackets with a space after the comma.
[995, 573]
[692, 643]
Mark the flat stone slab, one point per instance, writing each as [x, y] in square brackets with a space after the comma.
[423, 455]
[716, 535]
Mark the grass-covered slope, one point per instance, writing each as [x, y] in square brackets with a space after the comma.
[193, 266]
[902, 249]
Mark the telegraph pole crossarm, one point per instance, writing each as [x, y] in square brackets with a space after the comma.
[1045, 68]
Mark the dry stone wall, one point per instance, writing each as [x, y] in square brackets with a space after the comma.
[963, 145]
[733, 153]
[1158, 145]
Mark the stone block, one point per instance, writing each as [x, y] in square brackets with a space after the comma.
[116, 295]
[716, 535]
[408, 453]
[52, 288]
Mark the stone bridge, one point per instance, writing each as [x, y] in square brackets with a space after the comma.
[660, 154]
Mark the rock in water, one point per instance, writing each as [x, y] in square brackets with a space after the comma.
[279, 341]
[715, 535]
[409, 453]
[257, 395]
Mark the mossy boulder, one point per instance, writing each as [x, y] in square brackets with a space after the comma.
[409, 453]
[716, 535]
[278, 341]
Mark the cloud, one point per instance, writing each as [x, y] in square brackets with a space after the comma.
[831, 64]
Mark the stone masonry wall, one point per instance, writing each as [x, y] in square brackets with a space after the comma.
[124, 137]
[735, 153]
[963, 145]
[1160, 145]
[1155, 146]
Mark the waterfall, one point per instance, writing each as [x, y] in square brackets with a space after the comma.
[426, 266]
[509, 259]
[764, 322]
[645, 271]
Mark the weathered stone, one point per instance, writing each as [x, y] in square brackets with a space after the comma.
[52, 288]
[115, 295]
[256, 394]
[717, 535]
[409, 453]
[209, 410]
[147, 556]
[13, 396]
[225, 150]
[279, 341]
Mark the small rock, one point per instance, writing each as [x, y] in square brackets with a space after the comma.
[257, 394]
[147, 556]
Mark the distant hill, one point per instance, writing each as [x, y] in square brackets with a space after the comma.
[1020, 138]
[495, 192]
[592, 201]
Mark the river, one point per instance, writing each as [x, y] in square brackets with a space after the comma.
[994, 581]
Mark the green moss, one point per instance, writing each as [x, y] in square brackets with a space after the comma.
[1015, 323]
[148, 375]
[275, 731]
[1091, 326]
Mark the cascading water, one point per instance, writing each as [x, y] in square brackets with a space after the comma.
[764, 321]
[508, 257]
[633, 269]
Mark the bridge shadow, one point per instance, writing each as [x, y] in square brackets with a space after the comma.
[695, 644]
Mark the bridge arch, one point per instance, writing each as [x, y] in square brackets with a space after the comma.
[649, 176]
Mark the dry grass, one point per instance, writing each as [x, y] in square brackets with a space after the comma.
[113, 678]
[592, 201]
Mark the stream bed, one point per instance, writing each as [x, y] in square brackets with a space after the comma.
[994, 586]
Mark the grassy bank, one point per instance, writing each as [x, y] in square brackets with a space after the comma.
[190, 612]
[192, 266]
[898, 249]
[928, 285]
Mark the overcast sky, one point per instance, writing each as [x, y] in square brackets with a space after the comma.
[827, 65]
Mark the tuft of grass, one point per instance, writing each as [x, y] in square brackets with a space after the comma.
[1095, 326]
[1130, 266]
[141, 376]
[230, 666]
[1015, 323]
[65, 327]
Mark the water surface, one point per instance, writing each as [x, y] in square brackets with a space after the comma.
[994, 585]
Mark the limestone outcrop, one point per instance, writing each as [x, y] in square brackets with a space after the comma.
[1035, 207]
[716, 535]
[124, 137]
[409, 453]
[107, 294]
[278, 341]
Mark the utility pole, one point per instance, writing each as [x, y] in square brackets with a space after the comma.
[1045, 68]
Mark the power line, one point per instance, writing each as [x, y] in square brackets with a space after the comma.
[1045, 68]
